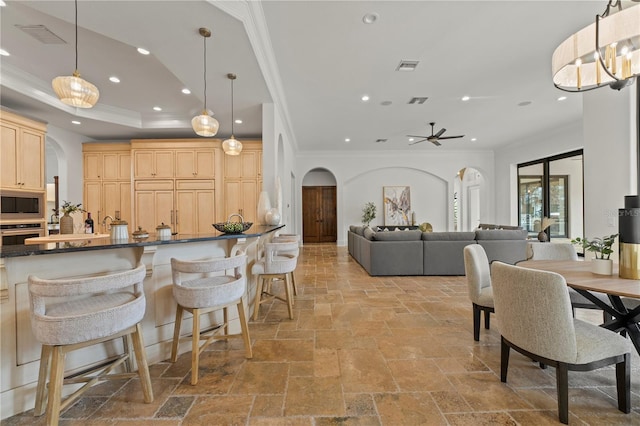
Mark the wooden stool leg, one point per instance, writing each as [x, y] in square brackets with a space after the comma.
[287, 290]
[225, 320]
[293, 284]
[143, 367]
[176, 334]
[55, 386]
[126, 344]
[245, 330]
[195, 347]
[41, 390]
[256, 305]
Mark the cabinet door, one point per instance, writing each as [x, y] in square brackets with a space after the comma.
[185, 164]
[116, 197]
[92, 202]
[8, 157]
[163, 167]
[205, 211]
[111, 165]
[143, 164]
[233, 166]
[204, 161]
[250, 167]
[232, 198]
[92, 164]
[32, 161]
[124, 167]
[250, 201]
[153, 208]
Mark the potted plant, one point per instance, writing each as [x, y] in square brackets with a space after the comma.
[66, 221]
[368, 213]
[601, 246]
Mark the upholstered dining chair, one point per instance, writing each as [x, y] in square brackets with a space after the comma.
[533, 312]
[212, 288]
[70, 314]
[565, 251]
[278, 263]
[476, 267]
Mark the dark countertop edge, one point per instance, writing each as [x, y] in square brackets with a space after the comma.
[105, 244]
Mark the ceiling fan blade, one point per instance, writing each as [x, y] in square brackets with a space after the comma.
[437, 135]
[418, 141]
[435, 142]
[417, 136]
[451, 137]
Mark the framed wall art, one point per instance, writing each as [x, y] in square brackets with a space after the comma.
[397, 205]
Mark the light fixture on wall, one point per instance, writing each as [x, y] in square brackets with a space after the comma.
[605, 53]
[204, 124]
[232, 146]
[73, 90]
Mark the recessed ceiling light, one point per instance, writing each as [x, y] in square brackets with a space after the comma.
[114, 79]
[370, 18]
[562, 98]
[473, 139]
[465, 98]
[4, 52]
[75, 122]
[365, 98]
[186, 91]
[347, 140]
[238, 121]
[157, 108]
[143, 51]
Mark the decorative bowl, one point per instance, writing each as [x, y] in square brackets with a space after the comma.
[230, 227]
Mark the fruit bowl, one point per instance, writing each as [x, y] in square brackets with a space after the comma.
[230, 227]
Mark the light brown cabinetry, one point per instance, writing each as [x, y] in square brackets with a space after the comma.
[107, 181]
[198, 164]
[243, 182]
[154, 202]
[22, 158]
[195, 206]
[152, 164]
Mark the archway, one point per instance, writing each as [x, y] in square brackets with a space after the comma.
[468, 195]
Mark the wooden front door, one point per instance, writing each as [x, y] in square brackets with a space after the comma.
[319, 218]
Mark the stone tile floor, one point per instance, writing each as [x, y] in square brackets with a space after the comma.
[361, 350]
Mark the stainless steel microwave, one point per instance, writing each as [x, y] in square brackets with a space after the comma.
[21, 205]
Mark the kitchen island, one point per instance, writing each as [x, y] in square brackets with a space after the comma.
[19, 350]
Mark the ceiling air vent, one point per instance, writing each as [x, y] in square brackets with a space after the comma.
[381, 140]
[407, 65]
[418, 100]
[42, 34]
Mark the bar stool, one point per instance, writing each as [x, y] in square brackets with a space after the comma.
[289, 238]
[278, 263]
[102, 308]
[207, 294]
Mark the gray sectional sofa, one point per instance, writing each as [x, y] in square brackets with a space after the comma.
[412, 252]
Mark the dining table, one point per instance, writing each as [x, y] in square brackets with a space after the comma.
[623, 293]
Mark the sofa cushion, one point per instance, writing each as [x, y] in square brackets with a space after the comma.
[501, 234]
[359, 230]
[448, 236]
[413, 235]
[369, 233]
[352, 228]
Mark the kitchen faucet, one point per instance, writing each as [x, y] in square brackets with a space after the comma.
[104, 222]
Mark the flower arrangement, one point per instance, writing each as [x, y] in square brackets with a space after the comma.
[68, 208]
[368, 213]
[547, 222]
[600, 246]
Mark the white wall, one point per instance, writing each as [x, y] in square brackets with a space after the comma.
[361, 176]
[319, 178]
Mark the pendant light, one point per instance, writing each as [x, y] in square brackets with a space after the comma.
[204, 124]
[73, 90]
[232, 146]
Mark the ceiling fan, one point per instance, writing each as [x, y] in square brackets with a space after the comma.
[434, 138]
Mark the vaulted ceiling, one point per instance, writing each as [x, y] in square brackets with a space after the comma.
[314, 59]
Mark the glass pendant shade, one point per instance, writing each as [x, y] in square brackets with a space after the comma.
[232, 146]
[205, 125]
[75, 91]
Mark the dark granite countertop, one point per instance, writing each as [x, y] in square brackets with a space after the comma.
[106, 243]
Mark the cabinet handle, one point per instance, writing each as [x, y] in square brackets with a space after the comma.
[172, 217]
[176, 217]
[240, 211]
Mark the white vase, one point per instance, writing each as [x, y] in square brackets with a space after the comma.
[264, 205]
[272, 217]
[602, 266]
